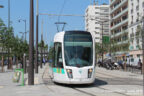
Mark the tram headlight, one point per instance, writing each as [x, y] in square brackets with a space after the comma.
[69, 73]
[90, 72]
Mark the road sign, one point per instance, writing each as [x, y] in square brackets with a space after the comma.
[106, 39]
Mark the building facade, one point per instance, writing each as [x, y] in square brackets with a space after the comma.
[126, 28]
[119, 28]
[136, 12]
[96, 15]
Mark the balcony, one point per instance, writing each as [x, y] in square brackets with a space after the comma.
[114, 9]
[122, 42]
[120, 24]
[120, 14]
[112, 2]
[120, 33]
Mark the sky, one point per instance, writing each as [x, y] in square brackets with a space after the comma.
[20, 9]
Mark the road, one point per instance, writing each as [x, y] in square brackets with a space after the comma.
[107, 83]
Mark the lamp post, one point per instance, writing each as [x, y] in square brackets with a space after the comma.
[24, 56]
[1, 6]
[31, 46]
[143, 51]
[8, 13]
[37, 21]
[102, 23]
[22, 35]
[25, 26]
[2, 64]
[41, 45]
[8, 29]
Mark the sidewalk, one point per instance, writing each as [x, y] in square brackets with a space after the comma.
[8, 88]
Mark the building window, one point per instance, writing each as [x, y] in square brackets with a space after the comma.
[97, 28]
[97, 38]
[96, 12]
[132, 4]
[138, 55]
[132, 30]
[131, 10]
[132, 18]
[137, 7]
[96, 22]
[138, 14]
[96, 32]
[137, 19]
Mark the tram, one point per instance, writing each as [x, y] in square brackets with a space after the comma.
[73, 58]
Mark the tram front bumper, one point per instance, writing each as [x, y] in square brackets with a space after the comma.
[77, 81]
[81, 81]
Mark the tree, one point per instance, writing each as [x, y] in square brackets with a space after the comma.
[51, 53]
[99, 50]
[3, 29]
[9, 41]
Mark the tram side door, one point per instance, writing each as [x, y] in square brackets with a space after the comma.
[58, 62]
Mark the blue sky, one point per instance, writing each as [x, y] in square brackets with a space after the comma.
[20, 10]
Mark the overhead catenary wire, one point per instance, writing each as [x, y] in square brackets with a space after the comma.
[58, 22]
[73, 15]
[62, 14]
[61, 10]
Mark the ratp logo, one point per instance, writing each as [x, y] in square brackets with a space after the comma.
[80, 71]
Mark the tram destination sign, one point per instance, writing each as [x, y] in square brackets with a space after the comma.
[78, 38]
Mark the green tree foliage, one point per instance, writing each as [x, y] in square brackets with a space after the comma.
[51, 53]
[9, 41]
[3, 30]
[99, 50]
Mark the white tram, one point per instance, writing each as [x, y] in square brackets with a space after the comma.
[74, 58]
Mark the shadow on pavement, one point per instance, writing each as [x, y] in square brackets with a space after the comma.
[96, 83]
[7, 71]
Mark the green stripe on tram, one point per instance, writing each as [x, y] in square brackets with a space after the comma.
[58, 70]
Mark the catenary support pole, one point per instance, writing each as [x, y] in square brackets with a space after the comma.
[37, 21]
[31, 47]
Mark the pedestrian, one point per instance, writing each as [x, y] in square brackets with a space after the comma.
[139, 64]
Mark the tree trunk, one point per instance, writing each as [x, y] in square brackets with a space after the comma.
[2, 64]
[16, 62]
[11, 63]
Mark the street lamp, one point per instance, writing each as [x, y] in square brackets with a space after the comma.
[8, 29]
[22, 35]
[25, 26]
[102, 23]
[143, 51]
[41, 45]
[1, 6]
[37, 21]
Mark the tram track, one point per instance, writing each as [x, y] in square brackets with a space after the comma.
[47, 82]
[84, 92]
[90, 94]
[46, 78]
[124, 81]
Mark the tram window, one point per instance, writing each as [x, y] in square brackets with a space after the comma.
[58, 55]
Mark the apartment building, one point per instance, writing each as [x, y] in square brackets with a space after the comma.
[119, 28]
[136, 12]
[96, 15]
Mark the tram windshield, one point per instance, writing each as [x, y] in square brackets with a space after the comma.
[78, 50]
